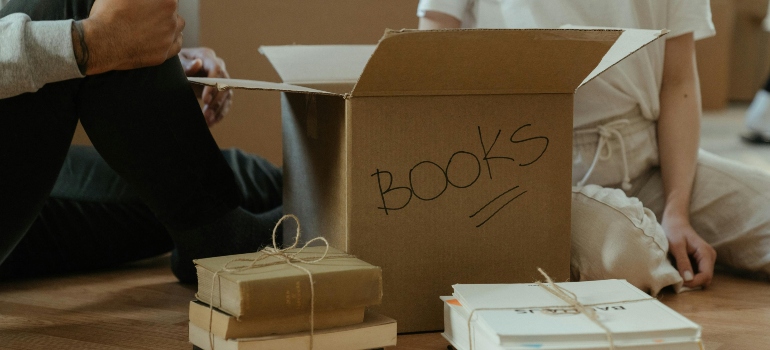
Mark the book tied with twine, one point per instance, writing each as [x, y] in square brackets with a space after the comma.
[252, 285]
[593, 315]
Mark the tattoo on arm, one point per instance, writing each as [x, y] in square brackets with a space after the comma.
[79, 46]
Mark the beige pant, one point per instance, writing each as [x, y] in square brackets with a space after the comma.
[615, 233]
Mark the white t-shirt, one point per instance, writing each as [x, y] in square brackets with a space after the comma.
[635, 80]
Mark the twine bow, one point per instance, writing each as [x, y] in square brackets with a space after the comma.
[286, 257]
[571, 299]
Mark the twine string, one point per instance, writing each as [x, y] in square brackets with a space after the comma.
[571, 299]
[285, 257]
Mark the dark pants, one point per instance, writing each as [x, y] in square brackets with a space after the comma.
[145, 123]
[93, 219]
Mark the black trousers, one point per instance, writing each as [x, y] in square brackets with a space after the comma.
[145, 123]
[93, 219]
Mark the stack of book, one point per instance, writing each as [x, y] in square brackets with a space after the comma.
[268, 306]
[527, 316]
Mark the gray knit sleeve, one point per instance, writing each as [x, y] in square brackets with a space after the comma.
[34, 53]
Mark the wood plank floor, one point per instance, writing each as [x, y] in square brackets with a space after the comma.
[141, 306]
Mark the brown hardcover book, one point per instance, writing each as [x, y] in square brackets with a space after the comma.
[376, 331]
[228, 327]
[279, 289]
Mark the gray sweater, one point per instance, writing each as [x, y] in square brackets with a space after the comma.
[34, 53]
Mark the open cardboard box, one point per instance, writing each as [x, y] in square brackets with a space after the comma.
[441, 156]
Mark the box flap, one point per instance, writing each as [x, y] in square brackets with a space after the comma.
[318, 64]
[483, 61]
[224, 84]
[630, 41]
[337, 88]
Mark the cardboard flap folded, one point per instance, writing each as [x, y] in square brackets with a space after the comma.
[224, 84]
[318, 64]
[629, 42]
[483, 61]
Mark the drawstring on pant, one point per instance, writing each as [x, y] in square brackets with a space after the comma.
[607, 132]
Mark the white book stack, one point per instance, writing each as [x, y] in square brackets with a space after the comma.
[528, 316]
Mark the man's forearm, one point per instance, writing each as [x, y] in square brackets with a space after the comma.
[127, 34]
[79, 46]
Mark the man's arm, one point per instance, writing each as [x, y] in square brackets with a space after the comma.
[678, 142]
[118, 35]
[128, 34]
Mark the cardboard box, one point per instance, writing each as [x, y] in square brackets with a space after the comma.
[443, 157]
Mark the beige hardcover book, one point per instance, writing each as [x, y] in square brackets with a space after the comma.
[228, 327]
[278, 289]
[376, 331]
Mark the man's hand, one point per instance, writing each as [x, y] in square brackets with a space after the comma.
[203, 62]
[688, 248]
[128, 34]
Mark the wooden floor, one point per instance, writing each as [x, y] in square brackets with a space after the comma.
[143, 307]
[719, 134]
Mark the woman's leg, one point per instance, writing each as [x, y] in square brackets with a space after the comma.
[614, 236]
[729, 209]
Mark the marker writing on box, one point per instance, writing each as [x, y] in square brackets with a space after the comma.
[428, 180]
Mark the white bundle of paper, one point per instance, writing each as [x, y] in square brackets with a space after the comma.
[528, 316]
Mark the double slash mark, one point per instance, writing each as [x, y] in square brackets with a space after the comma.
[506, 198]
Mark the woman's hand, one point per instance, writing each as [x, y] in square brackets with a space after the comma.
[694, 258]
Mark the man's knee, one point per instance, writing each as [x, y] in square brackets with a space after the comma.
[49, 10]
